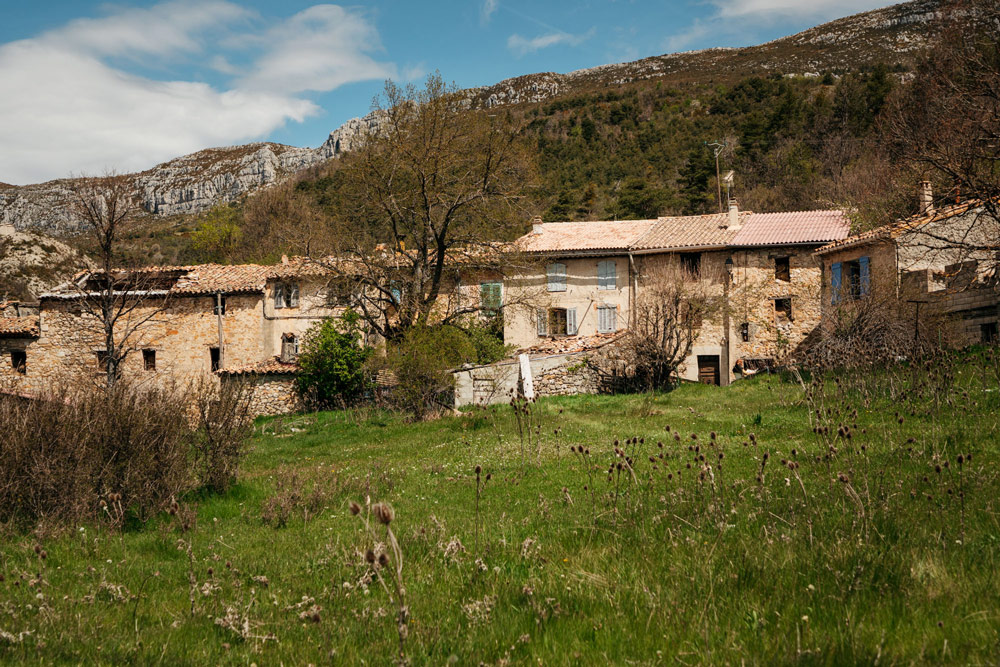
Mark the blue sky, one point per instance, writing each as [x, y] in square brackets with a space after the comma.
[90, 86]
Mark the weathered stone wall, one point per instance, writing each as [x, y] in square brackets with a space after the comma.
[566, 375]
[273, 394]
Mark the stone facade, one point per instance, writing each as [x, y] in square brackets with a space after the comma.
[273, 394]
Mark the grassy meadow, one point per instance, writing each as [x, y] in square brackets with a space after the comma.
[774, 521]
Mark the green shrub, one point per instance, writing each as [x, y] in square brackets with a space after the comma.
[422, 361]
[334, 362]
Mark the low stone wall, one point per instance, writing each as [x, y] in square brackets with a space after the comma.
[273, 394]
[552, 375]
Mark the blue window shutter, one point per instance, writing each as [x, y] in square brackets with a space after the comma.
[864, 274]
[571, 321]
[397, 293]
[835, 282]
[612, 319]
[542, 317]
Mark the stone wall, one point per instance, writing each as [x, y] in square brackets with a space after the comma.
[273, 394]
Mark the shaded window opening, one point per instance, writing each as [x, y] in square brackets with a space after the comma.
[102, 358]
[215, 358]
[289, 347]
[219, 306]
[783, 309]
[286, 295]
[988, 333]
[745, 332]
[691, 264]
[19, 361]
[557, 322]
[782, 269]
[149, 360]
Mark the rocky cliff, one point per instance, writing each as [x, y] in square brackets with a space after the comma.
[31, 264]
[196, 182]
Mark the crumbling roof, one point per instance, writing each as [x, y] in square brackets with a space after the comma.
[895, 229]
[601, 235]
[688, 231]
[571, 344]
[792, 227]
[19, 327]
[272, 366]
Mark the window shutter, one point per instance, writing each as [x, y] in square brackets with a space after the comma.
[606, 275]
[397, 293]
[557, 277]
[571, 321]
[612, 319]
[279, 296]
[864, 274]
[835, 282]
[601, 317]
[543, 321]
[293, 296]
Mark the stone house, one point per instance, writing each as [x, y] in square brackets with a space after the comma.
[196, 320]
[938, 263]
[590, 276]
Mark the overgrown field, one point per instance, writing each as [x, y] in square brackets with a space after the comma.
[846, 524]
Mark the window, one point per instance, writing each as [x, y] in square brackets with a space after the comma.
[396, 292]
[745, 332]
[289, 347]
[557, 277]
[219, 306]
[215, 358]
[19, 361]
[783, 309]
[490, 297]
[691, 264]
[286, 295]
[850, 280]
[339, 293]
[782, 269]
[149, 360]
[606, 275]
[101, 356]
[607, 319]
[987, 333]
[556, 321]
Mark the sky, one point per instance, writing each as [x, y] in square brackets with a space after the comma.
[87, 87]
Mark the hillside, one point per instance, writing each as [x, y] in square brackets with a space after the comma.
[31, 263]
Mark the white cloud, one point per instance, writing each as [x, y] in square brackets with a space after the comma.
[524, 45]
[66, 108]
[320, 48]
[487, 9]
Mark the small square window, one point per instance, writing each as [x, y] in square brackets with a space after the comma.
[19, 361]
[215, 358]
[745, 332]
[101, 356]
[691, 265]
[149, 360]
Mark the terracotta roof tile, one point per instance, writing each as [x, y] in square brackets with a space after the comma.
[19, 326]
[272, 366]
[894, 229]
[688, 231]
[571, 344]
[584, 236]
[792, 227]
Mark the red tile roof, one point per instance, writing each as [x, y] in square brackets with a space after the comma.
[272, 366]
[19, 327]
[894, 229]
[601, 235]
[792, 227]
[688, 231]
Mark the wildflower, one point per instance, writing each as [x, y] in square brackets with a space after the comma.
[355, 508]
[384, 513]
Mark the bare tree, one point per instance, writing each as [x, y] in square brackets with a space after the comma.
[434, 191]
[666, 320]
[121, 302]
[946, 123]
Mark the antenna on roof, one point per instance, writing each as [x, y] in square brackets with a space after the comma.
[717, 148]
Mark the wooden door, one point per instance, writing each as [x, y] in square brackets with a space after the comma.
[708, 369]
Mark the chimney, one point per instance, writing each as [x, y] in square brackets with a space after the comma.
[734, 214]
[926, 198]
[536, 224]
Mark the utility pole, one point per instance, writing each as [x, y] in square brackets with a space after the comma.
[717, 148]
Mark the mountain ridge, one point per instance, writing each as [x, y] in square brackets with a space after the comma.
[195, 182]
